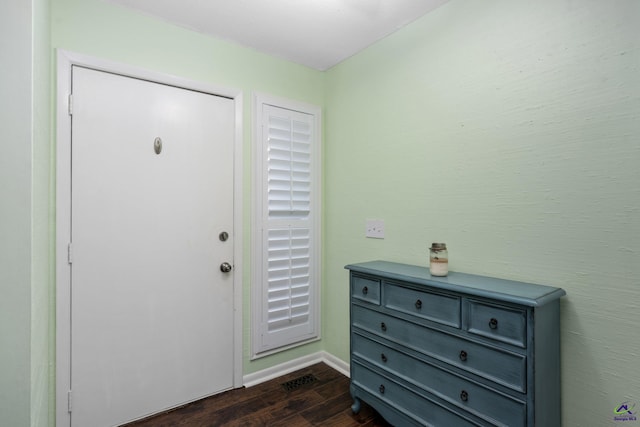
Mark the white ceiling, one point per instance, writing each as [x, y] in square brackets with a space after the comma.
[315, 33]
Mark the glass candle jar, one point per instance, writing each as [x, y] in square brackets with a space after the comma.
[438, 259]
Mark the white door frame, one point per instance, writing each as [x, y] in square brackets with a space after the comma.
[65, 60]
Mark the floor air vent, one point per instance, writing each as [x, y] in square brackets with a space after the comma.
[299, 382]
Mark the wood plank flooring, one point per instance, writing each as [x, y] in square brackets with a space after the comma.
[323, 402]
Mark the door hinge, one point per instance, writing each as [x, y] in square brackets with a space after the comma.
[69, 253]
[69, 400]
[70, 104]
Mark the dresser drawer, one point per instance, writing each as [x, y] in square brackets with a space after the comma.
[364, 289]
[427, 305]
[405, 400]
[500, 323]
[504, 367]
[488, 404]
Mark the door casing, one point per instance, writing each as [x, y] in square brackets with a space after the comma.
[65, 60]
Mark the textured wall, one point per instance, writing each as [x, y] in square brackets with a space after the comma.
[42, 290]
[508, 130]
[15, 212]
[24, 230]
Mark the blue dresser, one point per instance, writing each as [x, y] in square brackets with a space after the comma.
[461, 350]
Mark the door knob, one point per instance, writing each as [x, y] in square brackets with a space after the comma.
[225, 267]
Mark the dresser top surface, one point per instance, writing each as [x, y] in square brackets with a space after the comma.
[529, 294]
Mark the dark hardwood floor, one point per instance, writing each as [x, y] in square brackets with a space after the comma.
[323, 401]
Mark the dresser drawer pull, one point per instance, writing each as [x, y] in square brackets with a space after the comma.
[464, 396]
[493, 323]
[365, 290]
[463, 355]
[383, 327]
[381, 388]
[418, 304]
[383, 357]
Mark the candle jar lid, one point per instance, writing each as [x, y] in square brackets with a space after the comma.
[438, 246]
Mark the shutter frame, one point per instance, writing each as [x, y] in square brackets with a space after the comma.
[286, 279]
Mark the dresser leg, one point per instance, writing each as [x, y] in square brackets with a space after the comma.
[355, 408]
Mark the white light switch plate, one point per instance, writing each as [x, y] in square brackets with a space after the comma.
[375, 228]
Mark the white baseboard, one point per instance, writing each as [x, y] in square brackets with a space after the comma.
[337, 364]
[256, 378]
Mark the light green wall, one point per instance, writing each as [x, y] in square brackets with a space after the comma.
[42, 269]
[24, 218]
[16, 39]
[111, 32]
[509, 130]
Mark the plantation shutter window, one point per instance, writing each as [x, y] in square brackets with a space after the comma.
[286, 276]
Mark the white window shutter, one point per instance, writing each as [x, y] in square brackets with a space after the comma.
[288, 260]
[288, 218]
[288, 163]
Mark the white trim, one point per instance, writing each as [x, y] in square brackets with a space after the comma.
[65, 60]
[63, 236]
[238, 233]
[338, 364]
[285, 347]
[264, 375]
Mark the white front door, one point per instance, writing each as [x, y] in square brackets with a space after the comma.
[152, 191]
